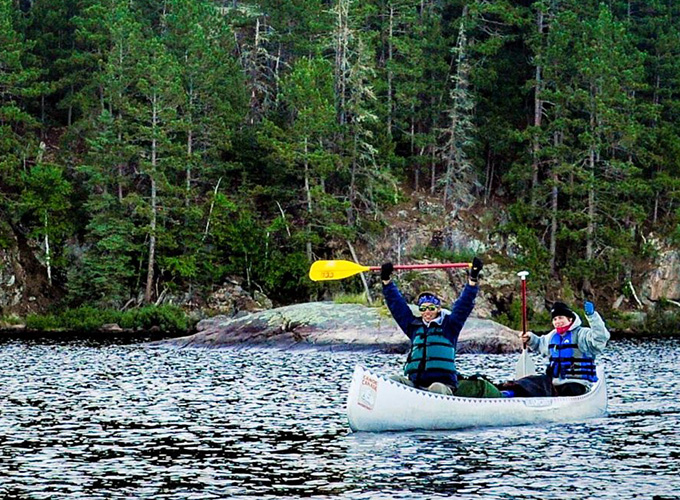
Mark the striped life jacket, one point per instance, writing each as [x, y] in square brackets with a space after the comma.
[430, 350]
[568, 361]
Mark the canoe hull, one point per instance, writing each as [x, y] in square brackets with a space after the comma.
[376, 403]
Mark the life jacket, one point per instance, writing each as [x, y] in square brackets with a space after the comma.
[430, 350]
[568, 361]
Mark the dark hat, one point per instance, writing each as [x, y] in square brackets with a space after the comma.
[561, 309]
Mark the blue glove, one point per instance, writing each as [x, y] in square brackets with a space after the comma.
[588, 307]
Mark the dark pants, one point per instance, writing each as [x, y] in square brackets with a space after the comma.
[533, 386]
[541, 386]
[570, 389]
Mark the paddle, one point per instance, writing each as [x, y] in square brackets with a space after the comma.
[324, 270]
[525, 365]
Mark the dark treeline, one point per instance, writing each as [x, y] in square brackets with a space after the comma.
[154, 145]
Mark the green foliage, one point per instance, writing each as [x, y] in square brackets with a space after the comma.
[663, 320]
[169, 319]
[11, 319]
[42, 322]
[534, 256]
[512, 317]
[248, 138]
[350, 298]
[86, 318]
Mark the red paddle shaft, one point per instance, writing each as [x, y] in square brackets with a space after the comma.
[524, 306]
[457, 265]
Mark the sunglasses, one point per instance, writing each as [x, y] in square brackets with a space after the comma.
[427, 308]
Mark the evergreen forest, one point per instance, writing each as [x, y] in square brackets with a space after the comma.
[151, 145]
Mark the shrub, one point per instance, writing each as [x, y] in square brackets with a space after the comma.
[168, 318]
[662, 321]
[350, 298]
[87, 318]
[42, 322]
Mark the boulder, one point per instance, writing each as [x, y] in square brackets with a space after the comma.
[111, 328]
[231, 298]
[328, 325]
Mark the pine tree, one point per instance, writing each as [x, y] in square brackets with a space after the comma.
[212, 105]
[307, 95]
[155, 123]
[19, 85]
[591, 83]
[44, 205]
[458, 134]
[106, 272]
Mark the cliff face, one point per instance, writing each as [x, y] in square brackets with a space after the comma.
[664, 281]
[24, 287]
[12, 279]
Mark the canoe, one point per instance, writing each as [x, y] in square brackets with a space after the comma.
[377, 403]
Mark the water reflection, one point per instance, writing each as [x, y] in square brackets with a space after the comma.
[131, 421]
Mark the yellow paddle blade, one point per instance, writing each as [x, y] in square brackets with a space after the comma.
[324, 270]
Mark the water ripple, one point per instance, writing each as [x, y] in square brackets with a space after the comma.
[131, 421]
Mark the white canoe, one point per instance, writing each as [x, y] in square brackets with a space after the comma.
[376, 403]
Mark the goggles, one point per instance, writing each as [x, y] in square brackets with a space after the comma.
[427, 308]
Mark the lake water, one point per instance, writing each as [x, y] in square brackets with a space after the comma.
[133, 421]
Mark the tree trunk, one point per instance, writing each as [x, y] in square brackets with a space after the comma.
[538, 114]
[367, 290]
[69, 118]
[120, 165]
[190, 147]
[48, 255]
[553, 225]
[43, 125]
[308, 195]
[341, 62]
[389, 73]
[352, 182]
[433, 172]
[187, 193]
[488, 185]
[554, 196]
[212, 206]
[154, 209]
[590, 230]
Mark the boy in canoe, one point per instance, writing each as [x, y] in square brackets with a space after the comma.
[571, 349]
[431, 362]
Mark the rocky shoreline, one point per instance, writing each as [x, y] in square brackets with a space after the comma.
[327, 325]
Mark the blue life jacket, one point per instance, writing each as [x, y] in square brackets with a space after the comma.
[430, 351]
[568, 361]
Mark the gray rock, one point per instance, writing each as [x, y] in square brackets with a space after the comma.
[664, 281]
[328, 325]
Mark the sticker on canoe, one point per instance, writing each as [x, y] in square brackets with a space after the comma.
[368, 392]
[537, 402]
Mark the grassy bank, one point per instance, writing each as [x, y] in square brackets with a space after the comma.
[170, 319]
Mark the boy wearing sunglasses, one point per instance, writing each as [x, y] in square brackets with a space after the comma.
[431, 362]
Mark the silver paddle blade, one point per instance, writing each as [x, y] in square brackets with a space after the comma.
[525, 365]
